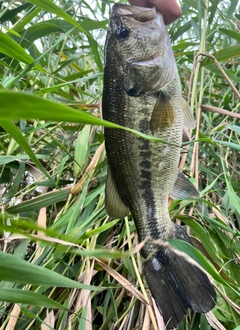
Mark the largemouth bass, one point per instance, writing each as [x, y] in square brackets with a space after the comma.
[142, 91]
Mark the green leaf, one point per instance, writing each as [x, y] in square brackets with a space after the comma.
[68, 83]
[81, 150]
[28, 297]
[182, 29]
[231, 145]
[14, 269]
[193, 3]
[199, 258]
[37, 203]
[51, 26]
[232, 7]
[101, 253]
[223, 55]
[202, 235]
[19, 106]
[53, 8]
[14, 132]
[10, 14]
[100, 230]
[212, 67]
[230, 33]
[37, 31]
[11, 48]
[50, 6]
[16, 183]
[8, 159]
[234, 128]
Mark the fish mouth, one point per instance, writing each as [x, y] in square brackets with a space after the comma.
[140, 14]
[152, 60]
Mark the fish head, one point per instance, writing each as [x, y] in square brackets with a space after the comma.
[140, 49]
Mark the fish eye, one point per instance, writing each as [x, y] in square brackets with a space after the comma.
[121, 32]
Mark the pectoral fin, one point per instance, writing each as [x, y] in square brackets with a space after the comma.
[163, 114]
[183, 188]
[113, 202]
[189, 121]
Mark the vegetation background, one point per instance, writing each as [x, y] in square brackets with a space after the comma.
[64, 264]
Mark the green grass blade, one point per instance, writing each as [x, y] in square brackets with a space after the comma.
[28, 297]
[40, 201]
[11, 48]
[53, 8]
[14, 269]
[199, 258]
[231, 145]
[223, 55]
[230, 33]
[13, 131]
[19, 106]
[8, 159]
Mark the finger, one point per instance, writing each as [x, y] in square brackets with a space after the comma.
[169, 8]
[140, 3]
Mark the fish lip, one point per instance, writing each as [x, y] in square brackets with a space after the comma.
[141, 14]
[151, 60]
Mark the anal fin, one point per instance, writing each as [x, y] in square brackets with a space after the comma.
[113, 202]
[183, 188]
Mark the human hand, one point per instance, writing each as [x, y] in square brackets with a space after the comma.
[168, 8]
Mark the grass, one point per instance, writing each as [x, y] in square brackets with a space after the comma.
[64, 263]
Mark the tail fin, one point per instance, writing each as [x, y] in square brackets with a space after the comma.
[177, 283]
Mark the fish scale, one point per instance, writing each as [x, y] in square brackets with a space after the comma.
[142, 91]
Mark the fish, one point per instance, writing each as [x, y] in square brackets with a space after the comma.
[142, 91]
